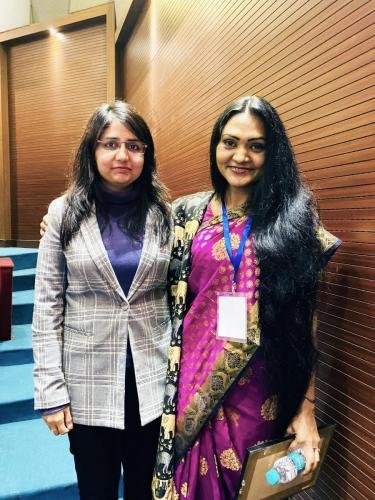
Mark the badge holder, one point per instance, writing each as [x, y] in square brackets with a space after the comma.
[232, 306]
[232, 316]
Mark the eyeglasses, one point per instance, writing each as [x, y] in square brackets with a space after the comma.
[132, 147]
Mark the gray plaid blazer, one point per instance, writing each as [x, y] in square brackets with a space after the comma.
[83, 321]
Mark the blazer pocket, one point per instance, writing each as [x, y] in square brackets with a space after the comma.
[74, 331]
[76, 345]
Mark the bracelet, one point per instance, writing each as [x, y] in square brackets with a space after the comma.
[312, 401]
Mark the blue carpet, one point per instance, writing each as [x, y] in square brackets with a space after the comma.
[20, 357]
[23, 305]
[34, 464]
[24, 279]
[18, 350]
[23, 258]
[21, 339]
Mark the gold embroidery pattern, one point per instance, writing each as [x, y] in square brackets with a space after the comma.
[233, 416]
[195, 415]
[229, 460]
[236, 213]
[220, 414]
[246, 378]
[218, 382]
[233, 360]
[269, 408]
[203, 466]
[253, 329]
[184, 490]
[219, 251]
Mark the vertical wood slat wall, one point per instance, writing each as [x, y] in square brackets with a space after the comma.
[5, 205]
[53, 88]
[314, 60]
[53, 83]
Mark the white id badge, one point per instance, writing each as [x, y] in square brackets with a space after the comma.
[232, 317]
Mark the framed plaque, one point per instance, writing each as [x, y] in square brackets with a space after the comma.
[259, 459]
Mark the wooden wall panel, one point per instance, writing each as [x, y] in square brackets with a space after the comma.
[54, 85]
[314, 60]
[5, 212]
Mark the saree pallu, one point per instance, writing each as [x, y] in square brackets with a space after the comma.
[210, 457]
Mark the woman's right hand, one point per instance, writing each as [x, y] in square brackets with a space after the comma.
[59, 422]
[43, 225]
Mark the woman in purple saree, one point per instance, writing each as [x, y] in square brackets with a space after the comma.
[223, 393]
[221, 447]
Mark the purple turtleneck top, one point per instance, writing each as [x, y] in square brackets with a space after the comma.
[124, 253]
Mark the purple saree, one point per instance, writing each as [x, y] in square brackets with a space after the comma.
[245, 415]
[216, 401]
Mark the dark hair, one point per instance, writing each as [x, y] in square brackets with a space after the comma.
[81, 193]
[285, 238]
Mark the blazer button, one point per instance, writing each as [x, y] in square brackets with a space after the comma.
[125, 306]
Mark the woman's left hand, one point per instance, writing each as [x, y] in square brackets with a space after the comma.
[306, 436]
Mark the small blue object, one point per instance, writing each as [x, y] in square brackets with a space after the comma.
[296, 461]
[272, 477]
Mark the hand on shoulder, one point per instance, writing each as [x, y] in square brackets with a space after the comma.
[43, 225]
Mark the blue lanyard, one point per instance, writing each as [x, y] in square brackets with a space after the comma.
[235, 260]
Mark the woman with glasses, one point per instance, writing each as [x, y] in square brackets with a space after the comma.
[101, 325]
[244, 270]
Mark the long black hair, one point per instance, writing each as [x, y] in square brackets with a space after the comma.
[285, 238]
[81, 193]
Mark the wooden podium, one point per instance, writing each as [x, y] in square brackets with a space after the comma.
[6, 288]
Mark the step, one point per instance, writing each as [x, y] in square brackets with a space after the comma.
[16, 393]
[23, 304]
[23, 258]
[23, 279]
[16, 357]
[18, 350]
[35, 464]
[20, 339]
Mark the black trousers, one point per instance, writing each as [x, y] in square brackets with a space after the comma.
[99, 452]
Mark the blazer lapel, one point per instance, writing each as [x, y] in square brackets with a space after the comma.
[149, 253]
[93, 239]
